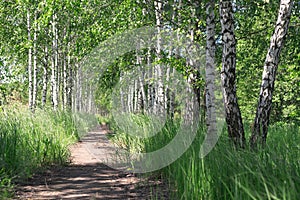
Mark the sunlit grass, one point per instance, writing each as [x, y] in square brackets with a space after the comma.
[29, 141]
[227, 173]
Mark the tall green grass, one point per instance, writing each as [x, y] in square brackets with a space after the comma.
[227, 173]
[29, 141]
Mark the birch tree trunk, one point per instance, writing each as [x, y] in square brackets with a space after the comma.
[261, 121]
[210, 68]
[75, 87]
[30, 98]
[141, 98]
[122, 94]
[135, 96]
[65, 74]
[130, 97]
[57, 64]
[159, 93]
[228, 77]
[45, 78]
[65, 81]
[34, 92]
[70, 80]
[151, 89]
[79, 90]
[86, 94]
[54, 89]
[90, 100]
[142, 94]
[193, 103]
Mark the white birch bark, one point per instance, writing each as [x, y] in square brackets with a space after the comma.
[79, 90]
[45, 78]
[150, 89]
[261, 122]
[192, 103]
[35, 86]
[54, 86]
[86, 94]
[159, 93]
[76, 88]
[30, 87]
[69, 80]
[141, 96]
[65, 75]
[135, 96]
[65, 82]
[90, 99]
[122, 95]
[130, 99]
[57, 64]
[210, 68]
[228, 77]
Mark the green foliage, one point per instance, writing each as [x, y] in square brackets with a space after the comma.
[5, 185]
[88, 23]
[139, 124]
[29, 141]
[225, 173]
[255, 25]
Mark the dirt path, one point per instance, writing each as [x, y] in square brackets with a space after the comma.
[88, 178]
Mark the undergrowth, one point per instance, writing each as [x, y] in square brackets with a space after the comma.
[226, 173]
[30, 141]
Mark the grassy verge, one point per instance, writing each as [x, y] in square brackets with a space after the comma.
[227, 173]
[30, 141]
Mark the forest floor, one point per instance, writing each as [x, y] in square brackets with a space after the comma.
[87, 177]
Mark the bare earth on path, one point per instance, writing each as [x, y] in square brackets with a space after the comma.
[88, 178]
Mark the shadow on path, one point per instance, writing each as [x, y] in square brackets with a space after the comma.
[94, 181]
[87, 177]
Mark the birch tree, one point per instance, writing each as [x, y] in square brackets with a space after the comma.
[30, 87]
[158, 70]
[70, 84]
[35, 81]
[78, 97]
[210, 67]
[192, 70]
[261, 121]
[45, 76]
[141, 99]
[65, 71]
[54, 84]
[151, 88]
[228, 76]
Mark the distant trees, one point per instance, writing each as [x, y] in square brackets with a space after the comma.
[49, 40]
[54, 45]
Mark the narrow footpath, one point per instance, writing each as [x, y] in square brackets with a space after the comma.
[88, 178]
